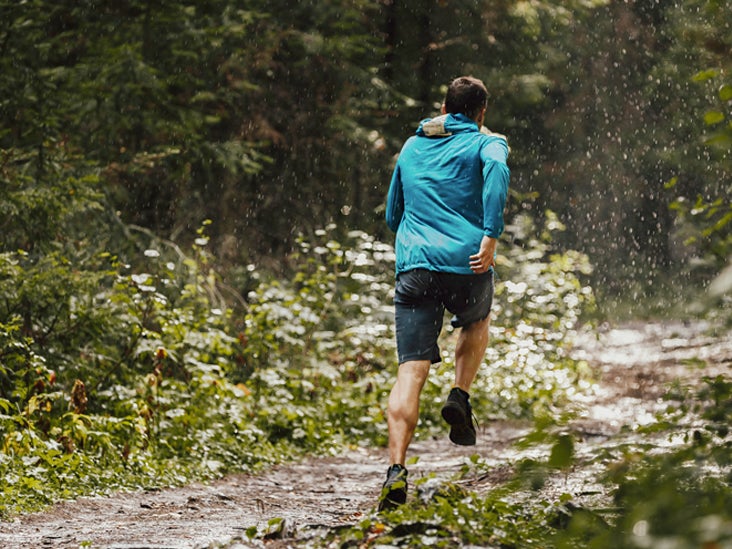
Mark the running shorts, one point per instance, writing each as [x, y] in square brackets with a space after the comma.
[420, 299]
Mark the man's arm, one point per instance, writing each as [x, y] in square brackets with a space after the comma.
[495, 190]
[395, 201]
[495, 185]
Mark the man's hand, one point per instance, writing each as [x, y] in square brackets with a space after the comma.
[485, 258]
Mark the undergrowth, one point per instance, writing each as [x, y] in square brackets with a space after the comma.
[121, 374]
[137, 374]
[668, 484]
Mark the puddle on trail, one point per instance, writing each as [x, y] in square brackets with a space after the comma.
[634, 365]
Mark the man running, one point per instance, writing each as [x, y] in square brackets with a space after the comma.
[445, 203]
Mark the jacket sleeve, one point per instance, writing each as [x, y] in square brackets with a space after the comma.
[496, 176]
[395, 201]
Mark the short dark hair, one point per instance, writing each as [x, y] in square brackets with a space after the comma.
[466, 95]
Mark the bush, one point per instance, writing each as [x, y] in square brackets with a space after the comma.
[139, 366]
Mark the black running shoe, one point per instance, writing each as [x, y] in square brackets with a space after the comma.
[394, 492]
[459, 414]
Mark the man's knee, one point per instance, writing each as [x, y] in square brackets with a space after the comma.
[415, 371]
[479, 327]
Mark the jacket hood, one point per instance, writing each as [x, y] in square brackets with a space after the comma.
[446, 125]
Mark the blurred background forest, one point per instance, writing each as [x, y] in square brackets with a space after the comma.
[276, 118]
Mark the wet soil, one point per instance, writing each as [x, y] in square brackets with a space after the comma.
[633, 365]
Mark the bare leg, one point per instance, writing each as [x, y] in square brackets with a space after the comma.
[469, 353]
[403, 412]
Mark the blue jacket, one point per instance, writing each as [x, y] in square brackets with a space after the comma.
[448, 189]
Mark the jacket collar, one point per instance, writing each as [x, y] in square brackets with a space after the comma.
[446, 125]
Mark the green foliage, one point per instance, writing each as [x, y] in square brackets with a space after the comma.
[657, 495]
[678, 497]
[186, 111]
[450, 517]
[132, 369]
[318, 350]
[141, 368]
[113, 371]
[705, 220]
[190, 111]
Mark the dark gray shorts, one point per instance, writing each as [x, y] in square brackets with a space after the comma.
[420, 300]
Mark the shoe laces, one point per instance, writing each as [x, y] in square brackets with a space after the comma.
[475, 420]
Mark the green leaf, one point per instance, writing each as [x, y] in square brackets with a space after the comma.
[671, 183]
[723, 140]
[720, 224]
[703, 76]
[562, 452]
[725, 92]
[713, 117]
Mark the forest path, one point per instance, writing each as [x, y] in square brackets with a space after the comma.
[633, 364]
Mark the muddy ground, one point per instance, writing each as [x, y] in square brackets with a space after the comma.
[633, 365]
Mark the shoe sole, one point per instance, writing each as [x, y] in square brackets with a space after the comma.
[393, 500]
[460, 434]
[453, 414]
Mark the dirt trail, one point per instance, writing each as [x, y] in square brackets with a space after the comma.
[633, 364]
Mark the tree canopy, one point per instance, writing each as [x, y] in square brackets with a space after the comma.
[274, 119]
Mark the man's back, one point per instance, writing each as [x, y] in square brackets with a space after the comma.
[448, 190]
